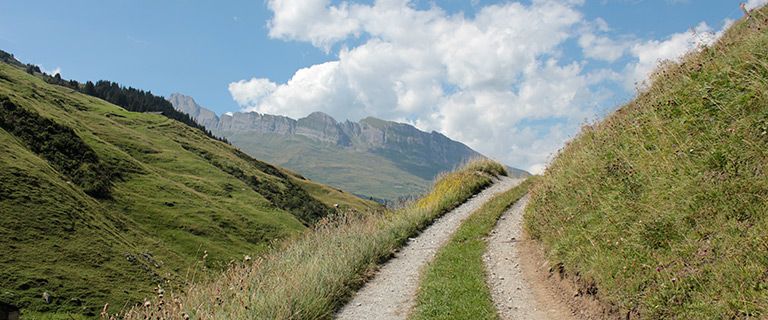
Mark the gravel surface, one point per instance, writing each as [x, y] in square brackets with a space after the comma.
[391, 293]
[515, 295]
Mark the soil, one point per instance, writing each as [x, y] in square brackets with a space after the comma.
[558, 288]
[516, 293]
[546, 291]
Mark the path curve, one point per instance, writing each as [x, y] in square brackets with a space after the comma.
[391, 294]
[516, 295]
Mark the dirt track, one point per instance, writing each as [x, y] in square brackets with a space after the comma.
[516, 293]
[391, 293]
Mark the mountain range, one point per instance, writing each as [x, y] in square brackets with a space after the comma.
[372, 157]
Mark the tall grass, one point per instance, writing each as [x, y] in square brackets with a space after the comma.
[661, 210]
[310, 277]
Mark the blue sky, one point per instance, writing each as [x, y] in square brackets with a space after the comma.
[204, 48]
[196, 47]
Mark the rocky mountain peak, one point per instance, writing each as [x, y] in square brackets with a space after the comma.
[321, 117]
[189, 106]
[322, 127]
[427, 153]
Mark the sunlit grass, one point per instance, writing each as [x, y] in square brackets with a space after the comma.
[662, 209]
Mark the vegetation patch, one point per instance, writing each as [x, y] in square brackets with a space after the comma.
[331, 164]
[286, 195]
[454, 285]
[663, 206]
[312, 276]
[60, 145]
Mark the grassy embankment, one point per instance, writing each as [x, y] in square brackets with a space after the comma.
[661, 210]
[311, 277]
[454, 284]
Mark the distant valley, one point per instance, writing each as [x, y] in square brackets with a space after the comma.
[372, 157]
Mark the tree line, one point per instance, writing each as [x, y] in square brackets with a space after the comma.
[129, 98]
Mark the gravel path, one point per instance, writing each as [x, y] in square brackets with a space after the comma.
[515, 295]
[391, 293]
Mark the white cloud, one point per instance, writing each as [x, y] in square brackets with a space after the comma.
[752, 4]
[473, 79]
[495, 81]
[538, 168]
[596, 43]
[251, 92]
[311, 20]
[649, 54]
[602, 48]
[53, 72]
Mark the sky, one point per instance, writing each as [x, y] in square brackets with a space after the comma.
[511, 79]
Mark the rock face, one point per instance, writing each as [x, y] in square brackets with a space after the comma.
[188, 105]
[422, 154]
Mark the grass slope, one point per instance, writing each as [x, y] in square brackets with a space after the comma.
[168, 193]
[380, 173]
[453, 286]
[311, 277]
[661, 210]
[355, 171]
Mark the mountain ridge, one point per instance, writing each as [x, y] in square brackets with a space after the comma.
[340, 149]
[331, 130]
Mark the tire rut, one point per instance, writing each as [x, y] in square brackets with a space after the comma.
[391, 294]
[517, 295]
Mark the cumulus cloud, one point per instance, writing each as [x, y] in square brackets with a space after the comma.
[495, 81]
[311, 20]
[251, 92]
[649, 54]
[53, 72]
[752, 4]
[602, 48]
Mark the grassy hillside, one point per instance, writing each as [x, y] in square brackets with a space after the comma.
[99, 205]
[379, 174]
[312, 276]
[661, 210]
[351, 170]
